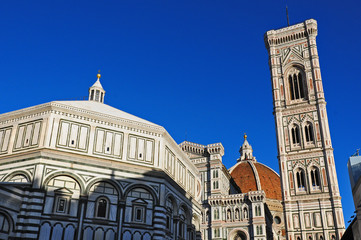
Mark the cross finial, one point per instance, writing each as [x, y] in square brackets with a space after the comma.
[245, 136]
[98, 75]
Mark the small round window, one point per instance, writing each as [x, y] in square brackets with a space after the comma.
[277, 220]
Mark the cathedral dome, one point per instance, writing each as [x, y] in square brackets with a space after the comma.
[253, 176]
[250, 175]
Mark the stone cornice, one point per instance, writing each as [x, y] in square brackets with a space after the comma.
[291, 34]
[233, 199]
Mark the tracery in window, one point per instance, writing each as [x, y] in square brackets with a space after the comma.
[296, 87]
[309, 133]
[295, 133]
[300, 179]
[315, 178]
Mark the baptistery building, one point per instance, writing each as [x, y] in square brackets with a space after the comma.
[86, 170]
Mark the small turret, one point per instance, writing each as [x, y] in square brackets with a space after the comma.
[96, 92]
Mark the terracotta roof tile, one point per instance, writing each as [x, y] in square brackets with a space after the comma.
[245, 178]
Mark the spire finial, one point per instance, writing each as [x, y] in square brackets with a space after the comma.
[245, 136]
[98, 75]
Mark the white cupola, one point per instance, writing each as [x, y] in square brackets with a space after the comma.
[96, 92]
[246, 151]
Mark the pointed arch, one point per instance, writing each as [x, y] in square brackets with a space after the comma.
[300, 179]
[295, 135]
[296, 81]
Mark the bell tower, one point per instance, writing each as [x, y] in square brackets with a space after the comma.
[312, 202]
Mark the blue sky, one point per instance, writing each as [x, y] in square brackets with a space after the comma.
[198, 68]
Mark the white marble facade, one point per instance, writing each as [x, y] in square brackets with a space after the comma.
[85, 170]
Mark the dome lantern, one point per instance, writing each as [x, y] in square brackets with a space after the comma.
[246, 150]
[96, 92]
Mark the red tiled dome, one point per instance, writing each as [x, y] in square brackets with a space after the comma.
[245, 177]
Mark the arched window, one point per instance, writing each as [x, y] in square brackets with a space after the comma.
[309, 133]
[315, 178]
[101, 209]
[300, 180]
[295, 82]
[295, 133]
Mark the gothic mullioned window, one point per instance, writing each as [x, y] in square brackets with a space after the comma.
[315, 178]
[308, 132]
[295, 134]
[300, 179]
[296, 84]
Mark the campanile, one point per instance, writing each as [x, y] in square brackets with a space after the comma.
[312, 202]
